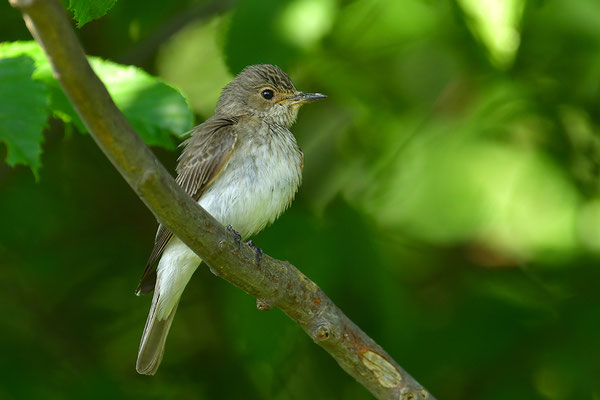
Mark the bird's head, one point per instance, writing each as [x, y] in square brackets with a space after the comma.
[266, 91]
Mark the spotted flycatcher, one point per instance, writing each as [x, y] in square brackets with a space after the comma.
[243, 166]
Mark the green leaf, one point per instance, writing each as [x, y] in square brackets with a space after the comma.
[23, 112]
[150, 105]
[155, 109]
[86, 10]
[60, 106]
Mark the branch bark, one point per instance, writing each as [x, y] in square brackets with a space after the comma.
[273, 283]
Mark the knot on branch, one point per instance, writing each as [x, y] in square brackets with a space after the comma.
[263, 305]
[420, 394]
[322, 332]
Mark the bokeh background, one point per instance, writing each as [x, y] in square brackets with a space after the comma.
[450, 206]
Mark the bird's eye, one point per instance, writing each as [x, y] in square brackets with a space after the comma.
[267, 94]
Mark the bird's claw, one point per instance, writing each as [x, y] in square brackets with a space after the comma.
[257, 250]
[237, 237]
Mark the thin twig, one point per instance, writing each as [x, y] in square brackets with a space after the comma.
[273, 283]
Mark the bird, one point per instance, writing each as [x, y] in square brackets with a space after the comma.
[244, 167]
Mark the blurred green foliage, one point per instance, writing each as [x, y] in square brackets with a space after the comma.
[450, 205]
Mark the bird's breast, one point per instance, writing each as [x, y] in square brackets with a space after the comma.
[258, 183]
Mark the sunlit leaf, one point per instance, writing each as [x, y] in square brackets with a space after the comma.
[155, 109]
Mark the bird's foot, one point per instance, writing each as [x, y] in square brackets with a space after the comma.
[257, 250]
[237, 237]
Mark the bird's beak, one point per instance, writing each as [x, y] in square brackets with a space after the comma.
[302, 98]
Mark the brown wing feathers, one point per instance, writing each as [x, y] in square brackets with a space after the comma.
[205, 155]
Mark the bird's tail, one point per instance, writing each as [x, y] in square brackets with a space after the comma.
[155, 333]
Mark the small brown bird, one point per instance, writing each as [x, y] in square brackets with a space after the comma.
[244, 167]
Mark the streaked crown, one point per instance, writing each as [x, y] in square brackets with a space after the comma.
[265, 91]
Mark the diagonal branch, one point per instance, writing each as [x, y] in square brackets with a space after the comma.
[273, 283]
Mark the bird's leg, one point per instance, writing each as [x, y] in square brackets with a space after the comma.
[257, 250]
[237, 237]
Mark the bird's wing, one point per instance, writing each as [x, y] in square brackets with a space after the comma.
[206, 154]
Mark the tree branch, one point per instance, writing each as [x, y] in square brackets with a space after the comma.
[273, 283]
